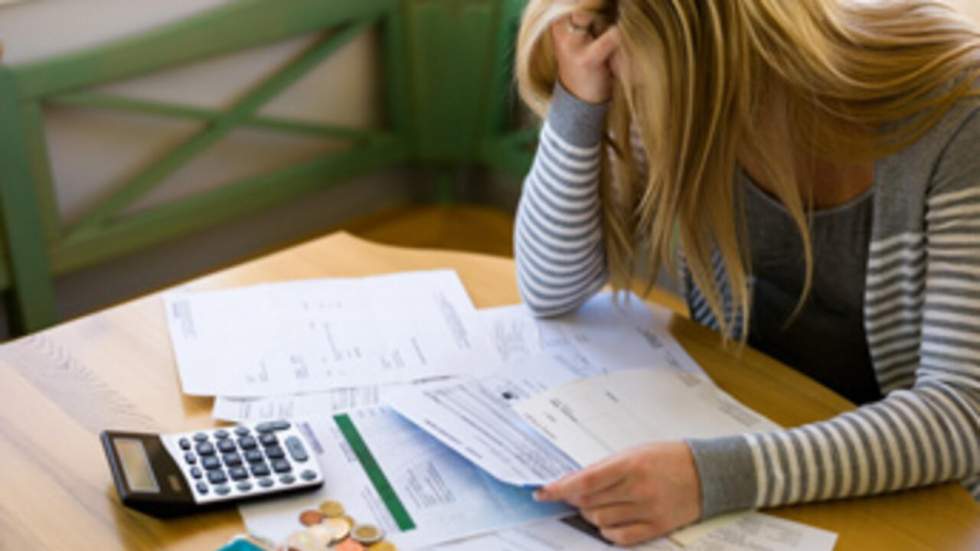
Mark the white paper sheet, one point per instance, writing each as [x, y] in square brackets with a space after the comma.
[474, 418]
[445, 496]
[318, 405]
[546, 535]
[316, 335]
[593, 418]
[601, 336]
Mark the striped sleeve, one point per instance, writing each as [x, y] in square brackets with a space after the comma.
[558, 235]
[923, 319]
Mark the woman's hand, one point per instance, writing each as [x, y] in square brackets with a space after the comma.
[585, 61]
[636, 495]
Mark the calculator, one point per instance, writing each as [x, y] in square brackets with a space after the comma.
[186, 472]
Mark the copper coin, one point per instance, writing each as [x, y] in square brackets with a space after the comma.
[332, 509]
[383, 546]
[349, 545]
[310, 517]
[367, 533]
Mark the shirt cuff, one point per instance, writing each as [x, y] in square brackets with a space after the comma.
[578, 122]
[727, 473]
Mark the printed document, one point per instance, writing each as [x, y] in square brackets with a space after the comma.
[386, 471]
[318, 405]
[316, 335]
[593, 418]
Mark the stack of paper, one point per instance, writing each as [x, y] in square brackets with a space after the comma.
[433, 419]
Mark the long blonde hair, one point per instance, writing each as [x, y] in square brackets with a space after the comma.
[716, 82]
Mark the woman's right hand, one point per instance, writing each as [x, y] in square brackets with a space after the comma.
[585, 62]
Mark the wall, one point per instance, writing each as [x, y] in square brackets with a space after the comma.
[90, 149]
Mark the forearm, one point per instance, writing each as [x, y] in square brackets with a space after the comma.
[558, 236]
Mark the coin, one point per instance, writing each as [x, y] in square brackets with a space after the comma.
[367, 533]
[340, 527]
[302, 542]
[349, 545]
[310, 517]
[322, 534]
[332, 509]
[383, 546]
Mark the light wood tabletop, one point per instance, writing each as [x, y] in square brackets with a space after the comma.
[115, 369]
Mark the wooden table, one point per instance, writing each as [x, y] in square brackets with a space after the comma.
[115, 369]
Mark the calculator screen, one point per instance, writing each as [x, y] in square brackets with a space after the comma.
[135, 465]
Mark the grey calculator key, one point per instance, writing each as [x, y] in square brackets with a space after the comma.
[195, 472]
[247, 442]
[232, 459]
[287, 479]
[190, 458]
[265, 482]
[202, 488]
[217, 476]
[222, 490]
[268, 439]
[244, 486]
[241, 431]
[281, 466]
[280, 425]
[260, 469]
[185, 444]
[237, 473]
[226, 445]
[275, 452]
[221, 434]
[204, 448]
[264, 427]
[253, 455]
[307, 475]
[210, 462]
[200, 437]
[296, 449]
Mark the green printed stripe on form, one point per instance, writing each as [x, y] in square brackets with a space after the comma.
[374, 473]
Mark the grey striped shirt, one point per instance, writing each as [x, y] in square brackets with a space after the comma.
[921, 315]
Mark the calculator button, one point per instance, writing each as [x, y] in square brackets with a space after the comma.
[195, 472]
[222, 490]
[217, 477]
[237, 473]
[226, 445]
[247, 442]
[200, 437]
[265, 427]
[204, 448]
[210, 462]
[202, 488]
[221, 434]
[280, 425]
[232, 459]
[253, 455]
[281, 466]
[244, 486]
[260, 469]
[190, 458]
[287, 479]
[275, 452]
[265, 482]
[185, 444]
[241, 431]
[307, 475]
[268, 439]
[296, 449]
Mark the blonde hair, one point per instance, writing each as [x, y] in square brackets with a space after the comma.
[716, 82]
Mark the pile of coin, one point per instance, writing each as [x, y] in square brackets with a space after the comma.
[329, 527]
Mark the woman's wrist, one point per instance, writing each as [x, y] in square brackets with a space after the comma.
[727, 474]
[575, 121]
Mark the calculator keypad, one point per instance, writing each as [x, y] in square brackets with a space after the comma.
[243, 461]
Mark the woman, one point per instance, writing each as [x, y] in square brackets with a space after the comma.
[816, 163]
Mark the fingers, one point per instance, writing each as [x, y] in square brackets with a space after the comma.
[631, 534]
[619, 514]
[592, 480]
[605, 46]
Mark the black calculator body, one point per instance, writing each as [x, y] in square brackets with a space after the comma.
[181, 473]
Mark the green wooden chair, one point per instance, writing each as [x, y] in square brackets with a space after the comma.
[448, 98]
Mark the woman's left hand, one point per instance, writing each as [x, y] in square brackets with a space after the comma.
[636, 495]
